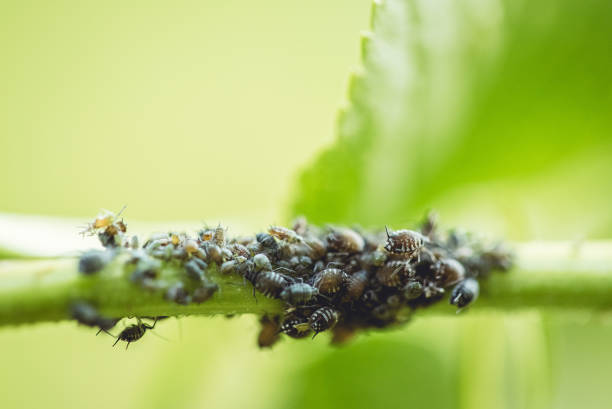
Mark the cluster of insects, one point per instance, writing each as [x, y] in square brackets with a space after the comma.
[334, 279]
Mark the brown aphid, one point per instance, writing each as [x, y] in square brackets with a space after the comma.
[323, 319]
[269, 333]
[356, 285]
[330, 280]
[448, 272]
[394, 273]
[342, 334]
[285, 234]
[316, 248]
[407, 243]
[270, 283]
[345, 240]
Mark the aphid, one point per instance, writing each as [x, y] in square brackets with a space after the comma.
[268, 335]
[178, 294]
[206, 234]
[413, 290]
[369, 297]
[270, 283]
[430, 224]
[298, 293]
[228, 267]
[93, 261]
[465, 293]
[134, 332]
[384, 313]
[219, 236]
[285, 234]
[262, 262]
[214, 253]
[103, 220]
[323, 319]
[268, 243]
[316, 248]
[238, 250]
[394, 273]
[175, 239]
[295, 327]
[330, 280]
[394, 301]
[87, 315]
[300, 225]
[134, 243]
[406, 243]
[356, 285]
[449, 271]
[192, 249]
[204, 292]
[375, 258]
[345, 240]
[194, 271]
[341, 334]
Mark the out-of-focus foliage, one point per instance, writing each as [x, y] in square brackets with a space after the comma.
[496, 113]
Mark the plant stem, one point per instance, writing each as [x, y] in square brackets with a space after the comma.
[568, 276]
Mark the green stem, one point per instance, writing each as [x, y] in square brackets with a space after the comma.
[547, 276]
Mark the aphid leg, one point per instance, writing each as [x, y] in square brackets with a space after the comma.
[116, 341]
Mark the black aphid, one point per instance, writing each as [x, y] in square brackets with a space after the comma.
[465, 293]
[134, 332]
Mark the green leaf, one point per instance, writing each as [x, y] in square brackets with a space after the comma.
[496, 113]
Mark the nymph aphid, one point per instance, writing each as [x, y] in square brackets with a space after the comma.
[465, 293]
[93, 261]
[194, 271]
[102, 221]
[298, 293]
[407, 243]
[285, 234]
[134, 332]
[270, 283]
[219, 236]
[330, 280]
[413, 290]
[87, 314]
[205, 291]
[345, 240]
[448, 271]
[395, 273]
[262, 262]
[356, 285]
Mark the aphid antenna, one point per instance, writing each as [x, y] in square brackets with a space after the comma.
[106, 331]
[387, 231]
[334, 263]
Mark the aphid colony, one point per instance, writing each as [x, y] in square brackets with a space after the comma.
[333, 278]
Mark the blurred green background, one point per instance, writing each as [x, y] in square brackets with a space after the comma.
[496, 113]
